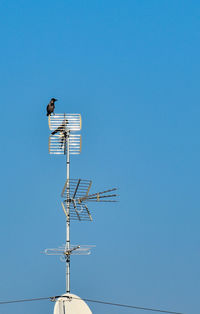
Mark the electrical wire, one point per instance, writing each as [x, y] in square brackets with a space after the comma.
[93, 301]
[24, 300]
[127, 306]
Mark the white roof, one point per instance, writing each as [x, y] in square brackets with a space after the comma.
[71, 304]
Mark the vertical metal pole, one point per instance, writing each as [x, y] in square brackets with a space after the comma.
[68, 220]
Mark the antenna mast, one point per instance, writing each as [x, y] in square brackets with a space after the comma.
[64, 141]
[68, 220]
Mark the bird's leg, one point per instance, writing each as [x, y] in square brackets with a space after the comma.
[62, 141]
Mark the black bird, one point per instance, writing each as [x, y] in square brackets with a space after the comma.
[61, 128]
[51, 106]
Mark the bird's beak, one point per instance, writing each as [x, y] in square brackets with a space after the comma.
[55, 99]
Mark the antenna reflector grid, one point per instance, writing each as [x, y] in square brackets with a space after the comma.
[58, 145]
[73, 122]
[77, 211]
[77, 188]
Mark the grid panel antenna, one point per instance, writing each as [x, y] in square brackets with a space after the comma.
[63, 127]
[73, 121]
[58, 144]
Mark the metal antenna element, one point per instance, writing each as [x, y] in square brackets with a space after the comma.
[62, 136]
[64, 141]
[79, 196]
[64, 253]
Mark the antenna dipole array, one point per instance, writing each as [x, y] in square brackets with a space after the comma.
[64, 140]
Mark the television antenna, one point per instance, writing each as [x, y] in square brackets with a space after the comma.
[64, 140]
[79, 196]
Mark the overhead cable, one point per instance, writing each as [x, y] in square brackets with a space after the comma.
[92, 301]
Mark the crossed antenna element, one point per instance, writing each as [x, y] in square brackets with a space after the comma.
[79, 196]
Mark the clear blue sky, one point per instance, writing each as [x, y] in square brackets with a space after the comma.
[131, 68]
